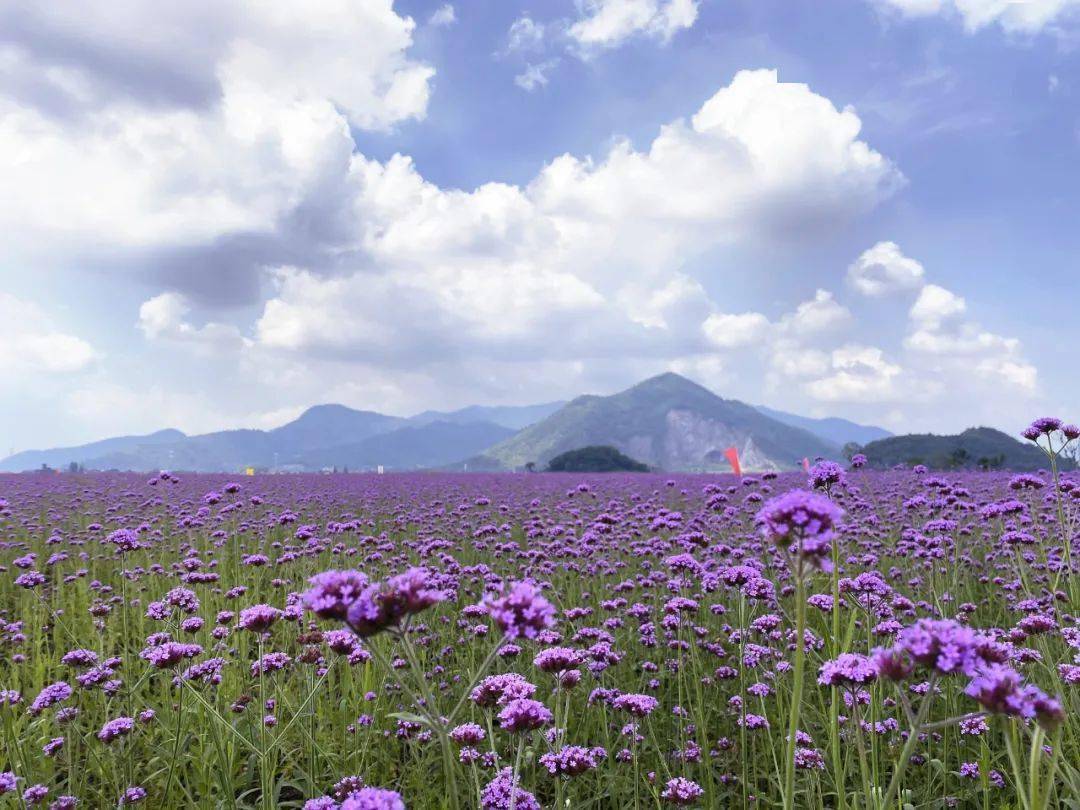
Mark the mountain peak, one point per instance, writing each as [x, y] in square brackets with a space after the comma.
[666, 379]
[670, 384]
[327, 409]
[668, 422]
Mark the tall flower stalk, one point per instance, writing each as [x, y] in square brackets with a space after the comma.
[1042, 432]
[801, 524]
[372, 608]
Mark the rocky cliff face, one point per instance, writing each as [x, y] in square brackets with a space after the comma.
[692, 441]
[669, 423]
[695, 443]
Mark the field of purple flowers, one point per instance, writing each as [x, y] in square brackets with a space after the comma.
[847, 639]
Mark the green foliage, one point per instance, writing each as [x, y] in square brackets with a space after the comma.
[975, 448]
[597, 458]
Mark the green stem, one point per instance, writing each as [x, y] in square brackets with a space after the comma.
[176, 743]
[797, 688]
[909, 745]
[517, 770]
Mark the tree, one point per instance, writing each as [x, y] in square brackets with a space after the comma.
[530, 466]
[598, 458]
[958, 459]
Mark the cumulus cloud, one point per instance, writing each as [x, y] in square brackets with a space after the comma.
[960, 347]
[588, 242]
[164, 317]
[1014, 16]
[609, 23]
[883, 269]
[730, 331]
[31, 343]
[791, 359]
[224, 142]
[934, 305]
[859, 374]
[941, 342]
[822, 313]
[443, 16]
[219, 163]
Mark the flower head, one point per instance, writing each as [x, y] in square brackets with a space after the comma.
[847, 669]
[259, 618]
[804, 523]
[524, 714]
[681, 791]
[521, 611]
[384, 605]
[124, 540]
[332, 592]
[825, 474]
[372, 798]
[116, 728]
[502, 792]
[572, 760]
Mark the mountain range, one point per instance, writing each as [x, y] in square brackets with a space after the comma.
[667, 422]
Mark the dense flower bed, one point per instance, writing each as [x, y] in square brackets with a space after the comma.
[844, 639]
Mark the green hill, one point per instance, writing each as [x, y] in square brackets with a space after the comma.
[599, 458]
[975, 448]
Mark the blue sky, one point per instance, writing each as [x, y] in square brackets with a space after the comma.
[222, 214]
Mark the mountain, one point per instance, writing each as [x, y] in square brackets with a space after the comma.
[322, 436]
[62, 456]
[435, 444]
[666, 422]
[327, 425]
[511, 416]
[974, 448]
[831, 429]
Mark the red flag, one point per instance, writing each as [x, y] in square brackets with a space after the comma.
[806, 464]
[733, 456]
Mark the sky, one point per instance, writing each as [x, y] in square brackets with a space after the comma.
[216, 214]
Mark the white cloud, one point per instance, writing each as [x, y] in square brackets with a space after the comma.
[730, 331]
[884, 268]
[670, 306]
[535, 75]
[443, 16]
[860, 374]
[934, 305]
[523, 266]
[941, 341]
[254, 126]
[609, 23]
[790, 359]
[1014, 16]
[820, 314]
[967, 340]
[525, 34]
[960, 348]
[31, 343]
[1016, 373]
[916, 8]
[190, 138]
[164, 317]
